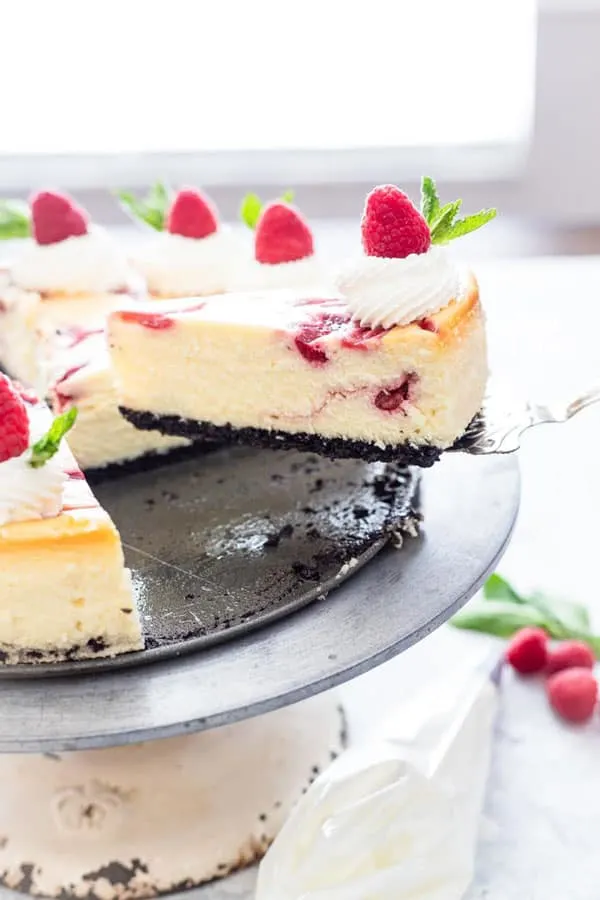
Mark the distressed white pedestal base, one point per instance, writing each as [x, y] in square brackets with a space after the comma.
[134, 821]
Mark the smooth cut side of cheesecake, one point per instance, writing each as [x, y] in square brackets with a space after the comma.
[65, 592]
[281, 369]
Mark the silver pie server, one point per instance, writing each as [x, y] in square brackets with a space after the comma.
[500, 424]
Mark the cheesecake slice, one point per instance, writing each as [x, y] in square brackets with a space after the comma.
[391, 367]
[64, 590]
[281, 370]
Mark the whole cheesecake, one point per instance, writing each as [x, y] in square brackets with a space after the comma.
[393, 366]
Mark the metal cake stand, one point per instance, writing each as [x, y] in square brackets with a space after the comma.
[400, 596]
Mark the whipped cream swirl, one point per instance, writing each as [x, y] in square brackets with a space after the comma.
[383, 292]
[177, 266]
[89, 262]
[27, 493]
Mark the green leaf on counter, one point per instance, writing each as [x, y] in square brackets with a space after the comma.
[501, 618]
[503, 611]
[48, 445]
[497, 588]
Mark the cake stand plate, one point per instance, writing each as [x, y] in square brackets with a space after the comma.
[469, 505]
[221, 544]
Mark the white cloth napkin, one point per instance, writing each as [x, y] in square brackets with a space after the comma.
[396, 818]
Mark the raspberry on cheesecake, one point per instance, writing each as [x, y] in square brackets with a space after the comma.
[193, 253]
[284, 251]
[71, 273]
[391, 366]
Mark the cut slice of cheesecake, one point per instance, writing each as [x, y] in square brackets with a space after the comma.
[64, 588]
[282, 369]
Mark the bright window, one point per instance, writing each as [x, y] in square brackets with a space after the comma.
[172, 76]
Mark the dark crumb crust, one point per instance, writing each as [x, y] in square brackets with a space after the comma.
[148, 462]
[335, 448]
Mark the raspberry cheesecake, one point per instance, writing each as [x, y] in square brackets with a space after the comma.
[392, 366]
[194, 254]
[284, 250]
[71, 273]
[79, 374]
[64, 588]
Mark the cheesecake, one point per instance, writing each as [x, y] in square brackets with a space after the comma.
[64, 590]
[70, 273]
[54, 301]
[193, 253]
[392, 366]
[78, 374]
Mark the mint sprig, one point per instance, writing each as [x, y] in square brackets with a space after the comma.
[502, 611]
[251, 207]
[15, 220]
[48, 445]
[442, 220]
[152, 209]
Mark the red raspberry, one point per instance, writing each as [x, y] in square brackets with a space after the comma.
[56, 217]
[573, 694]
[192, 215]
[391, 226]
[282, 235]
[14, 422]
[527, 651]
[570, 655]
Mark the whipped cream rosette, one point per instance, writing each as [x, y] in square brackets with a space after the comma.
[194, 254]
[405, 274]
[284, 251]
[69, 273]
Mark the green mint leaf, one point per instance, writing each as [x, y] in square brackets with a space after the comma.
[497, 588]
[594, 642]
[430, 202]
[15, 220]
[443, 222]
[501, 618]
[503, 611]
[158, 197]
[469, 224]
[48, 445]
[152, 209]
[250, 210]
[572, 618]
[288, 196]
